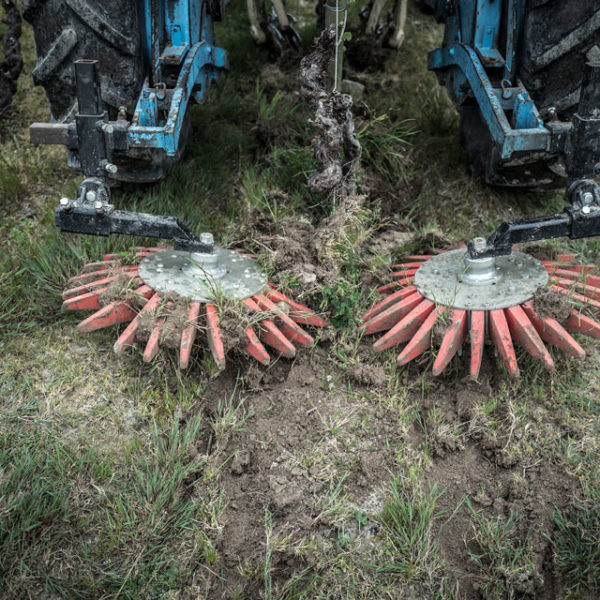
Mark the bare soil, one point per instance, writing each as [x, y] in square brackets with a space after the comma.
[550, 303]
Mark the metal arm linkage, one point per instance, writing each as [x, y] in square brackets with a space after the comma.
[91, 213]
[582, 218]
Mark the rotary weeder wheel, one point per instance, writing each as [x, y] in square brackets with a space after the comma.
[162, 281]
[450, 297]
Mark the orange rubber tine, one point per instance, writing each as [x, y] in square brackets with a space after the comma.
[99, 274]
[579, 323]
[270, 334]
[89, 287]
[453, 340]
[421, 341]
[213, 333]
[406, 274]
[290, 329]
[89, 301]
[551, 331]
[388, 288]
[404, 330]
[565, 258]
[387, 302]
[524, 333]
[100, 266]
[152, 346]
[111, 314]
[388, 318]
[582, 269]
[255, 348]
[586, 290]
[114, 313]
[128, 336]
[500, 334]
[418, 257]
[298, 312]
[408, 265]
[576, 297]
[139, 252]
[477, 341]
[593, 280]
[188, 335]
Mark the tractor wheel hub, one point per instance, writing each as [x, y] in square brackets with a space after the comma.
[453, 279]
[202, 276]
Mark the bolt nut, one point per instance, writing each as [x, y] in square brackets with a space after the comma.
[111, 168]
[586, 210]
[207, 239]
[588, 198]
[90, 196]
[65, 202]
[479, 244]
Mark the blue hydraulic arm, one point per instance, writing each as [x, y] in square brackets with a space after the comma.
[478, 62]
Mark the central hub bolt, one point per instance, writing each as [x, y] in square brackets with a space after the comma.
[479, 271]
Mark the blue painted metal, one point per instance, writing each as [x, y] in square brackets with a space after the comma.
[468, 65]
[178, 41]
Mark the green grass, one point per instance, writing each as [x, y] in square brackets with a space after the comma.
[106, 491]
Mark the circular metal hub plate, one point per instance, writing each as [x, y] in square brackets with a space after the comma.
[518, 276]
[201, 277]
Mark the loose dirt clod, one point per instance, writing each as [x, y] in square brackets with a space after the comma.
[548, 303]
[368, 374]
[118, 289]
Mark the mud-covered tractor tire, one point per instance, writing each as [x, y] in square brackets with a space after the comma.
[555, 39]
[68, 30]
[107, 31]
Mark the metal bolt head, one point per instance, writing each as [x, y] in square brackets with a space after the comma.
[586, 210]
[207, 239]
[479, 244]
[90, 196]
[588, 198]
[64, 202]
[111, 168]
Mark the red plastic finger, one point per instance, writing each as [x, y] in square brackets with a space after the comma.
[500, 335]
[388, 318]
[255, 348]
[188, 335]
[565, 258]
[421, 340]
[89, 301]
[290, 328]
[405, 329]
[89, 287]
[152, 346]
[99, 274]
[579, 323]
[100, 266]
[387, 302]
[581, 269]
[524, 333]
[139, 253]
[585, 290]
[453, 340]
[551, 331]
[298, 312]
[408, 265]
[477, 341]
[418, 257]
[128, 336]
[388, 288]
[584, 300]
[404, 274]
[213, 333]
[593, 280]
[270, 334]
